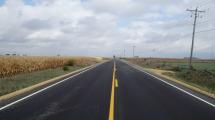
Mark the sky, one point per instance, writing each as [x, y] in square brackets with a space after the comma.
[158, 28]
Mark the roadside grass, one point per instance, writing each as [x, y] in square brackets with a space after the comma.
[202, 79]
[196, 65]
[201, 76]
[17, 82]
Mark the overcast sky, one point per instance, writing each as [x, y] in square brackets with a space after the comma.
[158, 28]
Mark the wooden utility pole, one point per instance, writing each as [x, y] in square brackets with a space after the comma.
[133, 50]
[196, 15]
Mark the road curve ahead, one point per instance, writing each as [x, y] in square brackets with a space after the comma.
[102, 94]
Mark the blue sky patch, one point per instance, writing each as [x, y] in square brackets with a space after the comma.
[29, 2]
[2, 2]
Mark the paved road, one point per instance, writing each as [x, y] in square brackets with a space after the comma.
[138, 96]
[84, 97]
[142, 97]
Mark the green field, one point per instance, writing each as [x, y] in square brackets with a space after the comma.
[197, 65]
[202, 75]
[162, 63]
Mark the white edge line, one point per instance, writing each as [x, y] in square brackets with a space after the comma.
[39, 91]
[140, 69]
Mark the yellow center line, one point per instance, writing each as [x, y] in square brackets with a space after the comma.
[111, 110]
[116, 83]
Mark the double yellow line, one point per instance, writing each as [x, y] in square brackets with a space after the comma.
[114, 84]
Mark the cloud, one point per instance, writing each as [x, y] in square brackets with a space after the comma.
[36, 24]
[45, 35]
[158, 28]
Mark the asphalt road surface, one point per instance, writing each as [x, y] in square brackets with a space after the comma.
[87, 96]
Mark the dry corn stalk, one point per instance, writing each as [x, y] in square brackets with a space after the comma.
[12, 65]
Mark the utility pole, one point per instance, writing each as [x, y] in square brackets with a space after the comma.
[133, 50]
[124, 53]
[196, 15]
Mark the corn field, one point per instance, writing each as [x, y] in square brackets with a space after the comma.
[13, 65]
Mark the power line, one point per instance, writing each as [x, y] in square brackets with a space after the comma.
[201, 31]
[205, 21]
[206, 30]
[204, 3]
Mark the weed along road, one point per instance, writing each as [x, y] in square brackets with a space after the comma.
[113, 90]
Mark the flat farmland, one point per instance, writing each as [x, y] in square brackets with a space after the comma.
[202, 75]
[165, 63]
[13, 65]
[18, 72]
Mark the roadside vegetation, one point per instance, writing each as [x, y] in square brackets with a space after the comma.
[18, 72]
[202, 75]
[14, 65]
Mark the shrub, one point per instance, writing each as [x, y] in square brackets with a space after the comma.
[65, 68]
[176, 68]
[71, 62]
[164, 64]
